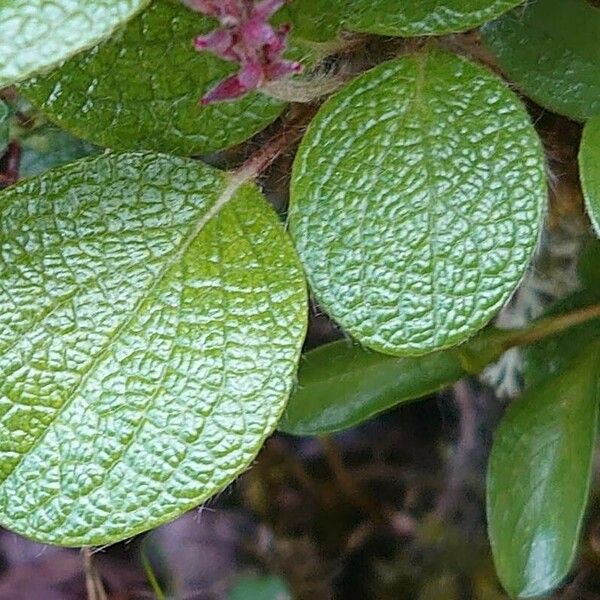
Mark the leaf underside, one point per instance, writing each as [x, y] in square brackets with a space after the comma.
[149, 335]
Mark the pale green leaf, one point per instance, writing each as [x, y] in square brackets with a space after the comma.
[589, 169]
[422, 17]
[539, 478]
[37, 34]
[416, 201]
[141, 89]
[550, 49]
[152, 311]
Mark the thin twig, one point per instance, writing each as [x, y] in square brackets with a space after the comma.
[93, 582]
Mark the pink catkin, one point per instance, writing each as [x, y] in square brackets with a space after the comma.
[245, 37]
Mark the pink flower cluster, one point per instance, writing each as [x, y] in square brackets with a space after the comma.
[246, 37]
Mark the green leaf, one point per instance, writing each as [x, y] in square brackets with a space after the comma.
[37, 34]
[152, 311]
[422, 17]
[416, 202]
[550, 49]
[260, 588]
[549, 357]
[539, 478]
[314, 20]
[48, 147]
[4, 134]
[589, 170]
[341, 384]
[141, 89]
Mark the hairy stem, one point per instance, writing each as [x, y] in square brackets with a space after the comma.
[264, 157]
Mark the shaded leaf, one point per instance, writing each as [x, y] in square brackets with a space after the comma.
[341, 384]
[550, 49]
[36, 34]
[416, 212]
[589, 169]
[48, 147]
[141, 89]
[539, 477]
[152, 313]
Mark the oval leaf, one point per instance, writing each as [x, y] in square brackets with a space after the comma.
[416, 212]
[550, 49]
[37, 34]
[423, 17]
[141, 89]
[589, 170]
[152, 316]
[539, 478]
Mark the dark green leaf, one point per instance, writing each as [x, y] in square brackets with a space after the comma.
[342, 384]
[539, 477]
[141, 89]
[422, 17]
[416, 202]
[548, 357]
[152, 311]
[589, 168]
[37, 34]
[550, 49]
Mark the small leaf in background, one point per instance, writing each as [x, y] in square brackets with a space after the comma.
[4, 119]
[589, 169]
[260, 588]
[416, 202]
[422, 17]
[141, 89]
[152, 314]
[48, 147]
[550, 49]
[36, 34]
[539, 477]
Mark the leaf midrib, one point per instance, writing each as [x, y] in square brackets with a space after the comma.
[233, 182]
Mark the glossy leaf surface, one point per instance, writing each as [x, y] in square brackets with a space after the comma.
[141, 89]
[539, 477]
[550, 49]
[342, 384]
[152, 313]
[422, 17]
[589, 170]
[37, 34]
[416, 201]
